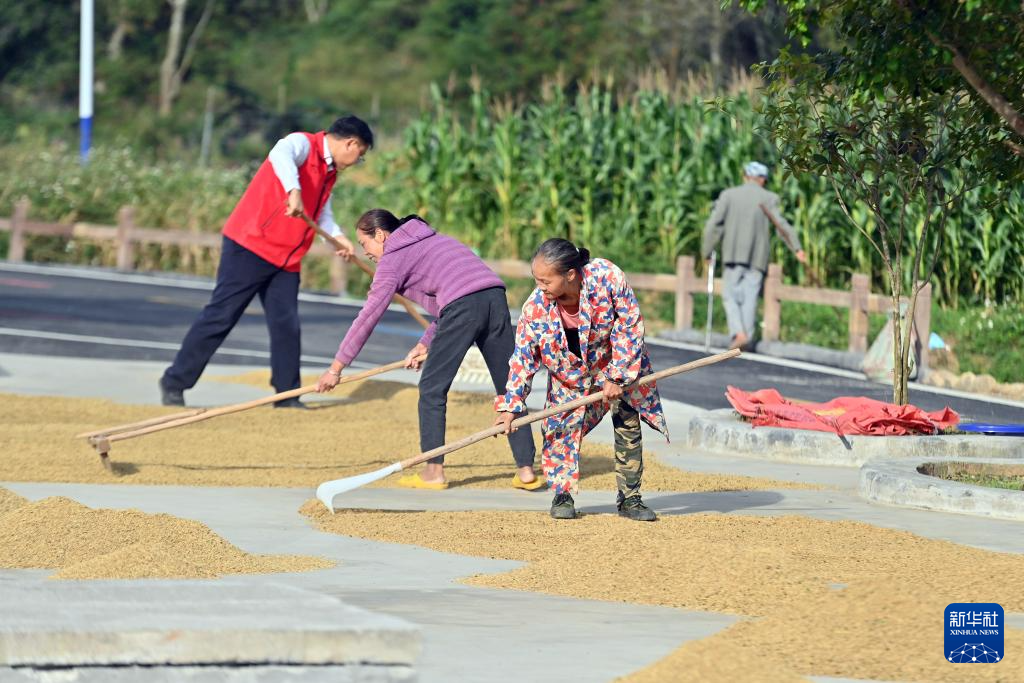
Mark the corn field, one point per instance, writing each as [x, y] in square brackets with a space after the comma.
[632, 176]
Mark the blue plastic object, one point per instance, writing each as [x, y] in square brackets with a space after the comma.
[992, 429]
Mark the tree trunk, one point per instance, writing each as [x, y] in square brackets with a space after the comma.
[715, 45]
[116, 42]
[315, 10]
[173, 68]
[900, 371]
[169, 67]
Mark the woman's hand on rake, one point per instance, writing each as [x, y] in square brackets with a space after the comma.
[347, 249]
[412, 359]
[328, 380]
[504, 420]
[611, 391]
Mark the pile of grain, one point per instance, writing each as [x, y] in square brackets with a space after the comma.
[842, 599]
[369, 425]
[716, 660]
[84, 543]
[9, 501]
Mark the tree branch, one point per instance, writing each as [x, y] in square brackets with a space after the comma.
[995, 100]
[193, 39]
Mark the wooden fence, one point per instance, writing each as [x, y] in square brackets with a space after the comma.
[683, 284]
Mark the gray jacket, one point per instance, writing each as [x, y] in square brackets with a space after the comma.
[738, 218]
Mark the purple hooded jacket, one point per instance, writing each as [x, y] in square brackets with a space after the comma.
[431, 269]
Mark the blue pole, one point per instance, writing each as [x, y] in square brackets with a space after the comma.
[85, 60]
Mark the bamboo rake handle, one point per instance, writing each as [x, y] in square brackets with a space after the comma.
[238, 407]
[143, 423]
[365, 267]
[564, 408]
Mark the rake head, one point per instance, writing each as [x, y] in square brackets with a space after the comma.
[329, 489]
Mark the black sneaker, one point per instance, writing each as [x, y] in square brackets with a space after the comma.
[562, 507]
[170, 396]
[634, 508]
[291, 403]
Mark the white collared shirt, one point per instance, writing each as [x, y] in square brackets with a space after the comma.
[287, 155]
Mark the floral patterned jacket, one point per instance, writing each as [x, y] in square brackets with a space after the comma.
[611, 343]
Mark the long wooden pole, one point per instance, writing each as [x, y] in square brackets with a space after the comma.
[238, 407]
[564, 408]
[329, 489]
[142, 423]
[409, 306]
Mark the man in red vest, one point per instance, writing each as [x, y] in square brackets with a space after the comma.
[265, 239]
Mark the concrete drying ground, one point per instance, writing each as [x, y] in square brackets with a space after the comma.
[468, 633]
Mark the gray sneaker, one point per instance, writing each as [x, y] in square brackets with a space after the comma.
[562, 507]
[170, 396]
[634, 508]
[293, 402]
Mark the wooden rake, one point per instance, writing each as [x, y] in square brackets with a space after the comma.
[103, 439]
[327, 491]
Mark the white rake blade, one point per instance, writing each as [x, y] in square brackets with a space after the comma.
[326, 491]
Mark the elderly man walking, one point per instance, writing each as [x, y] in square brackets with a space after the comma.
[743, 226]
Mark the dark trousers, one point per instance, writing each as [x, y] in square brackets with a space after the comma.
[240, 277]
[479, 318]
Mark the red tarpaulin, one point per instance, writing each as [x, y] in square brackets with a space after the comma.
[844, 415]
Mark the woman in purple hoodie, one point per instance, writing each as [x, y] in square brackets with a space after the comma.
[468, 301]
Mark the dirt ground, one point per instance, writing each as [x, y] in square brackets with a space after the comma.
[86, 543]
[364, 427]
[824, 598]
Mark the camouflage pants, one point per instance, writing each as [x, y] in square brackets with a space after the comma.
[562, 437]
[629, 452]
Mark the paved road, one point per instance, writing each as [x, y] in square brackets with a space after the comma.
[59, 311]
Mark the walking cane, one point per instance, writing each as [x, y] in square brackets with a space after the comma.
[711, 302]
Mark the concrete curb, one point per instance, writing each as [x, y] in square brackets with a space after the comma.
[898, 483]
[720, 431]
[168, 623]
[277, 673]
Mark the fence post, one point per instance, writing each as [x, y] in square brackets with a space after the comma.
[684, 299]
[339, 276]
[16, 248]
[923, 323]
[125, 247]
[860, 290]
[772, 303]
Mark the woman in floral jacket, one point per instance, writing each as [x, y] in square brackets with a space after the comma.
[583, 324]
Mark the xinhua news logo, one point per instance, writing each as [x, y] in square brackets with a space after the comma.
[974, 633]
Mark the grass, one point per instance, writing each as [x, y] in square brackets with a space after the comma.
[984, 339]
[1015, 483]
[992, 476]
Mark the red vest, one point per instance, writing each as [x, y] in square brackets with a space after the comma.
[258, 222]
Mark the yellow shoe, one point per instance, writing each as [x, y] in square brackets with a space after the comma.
[539, 482]
[415, 481]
